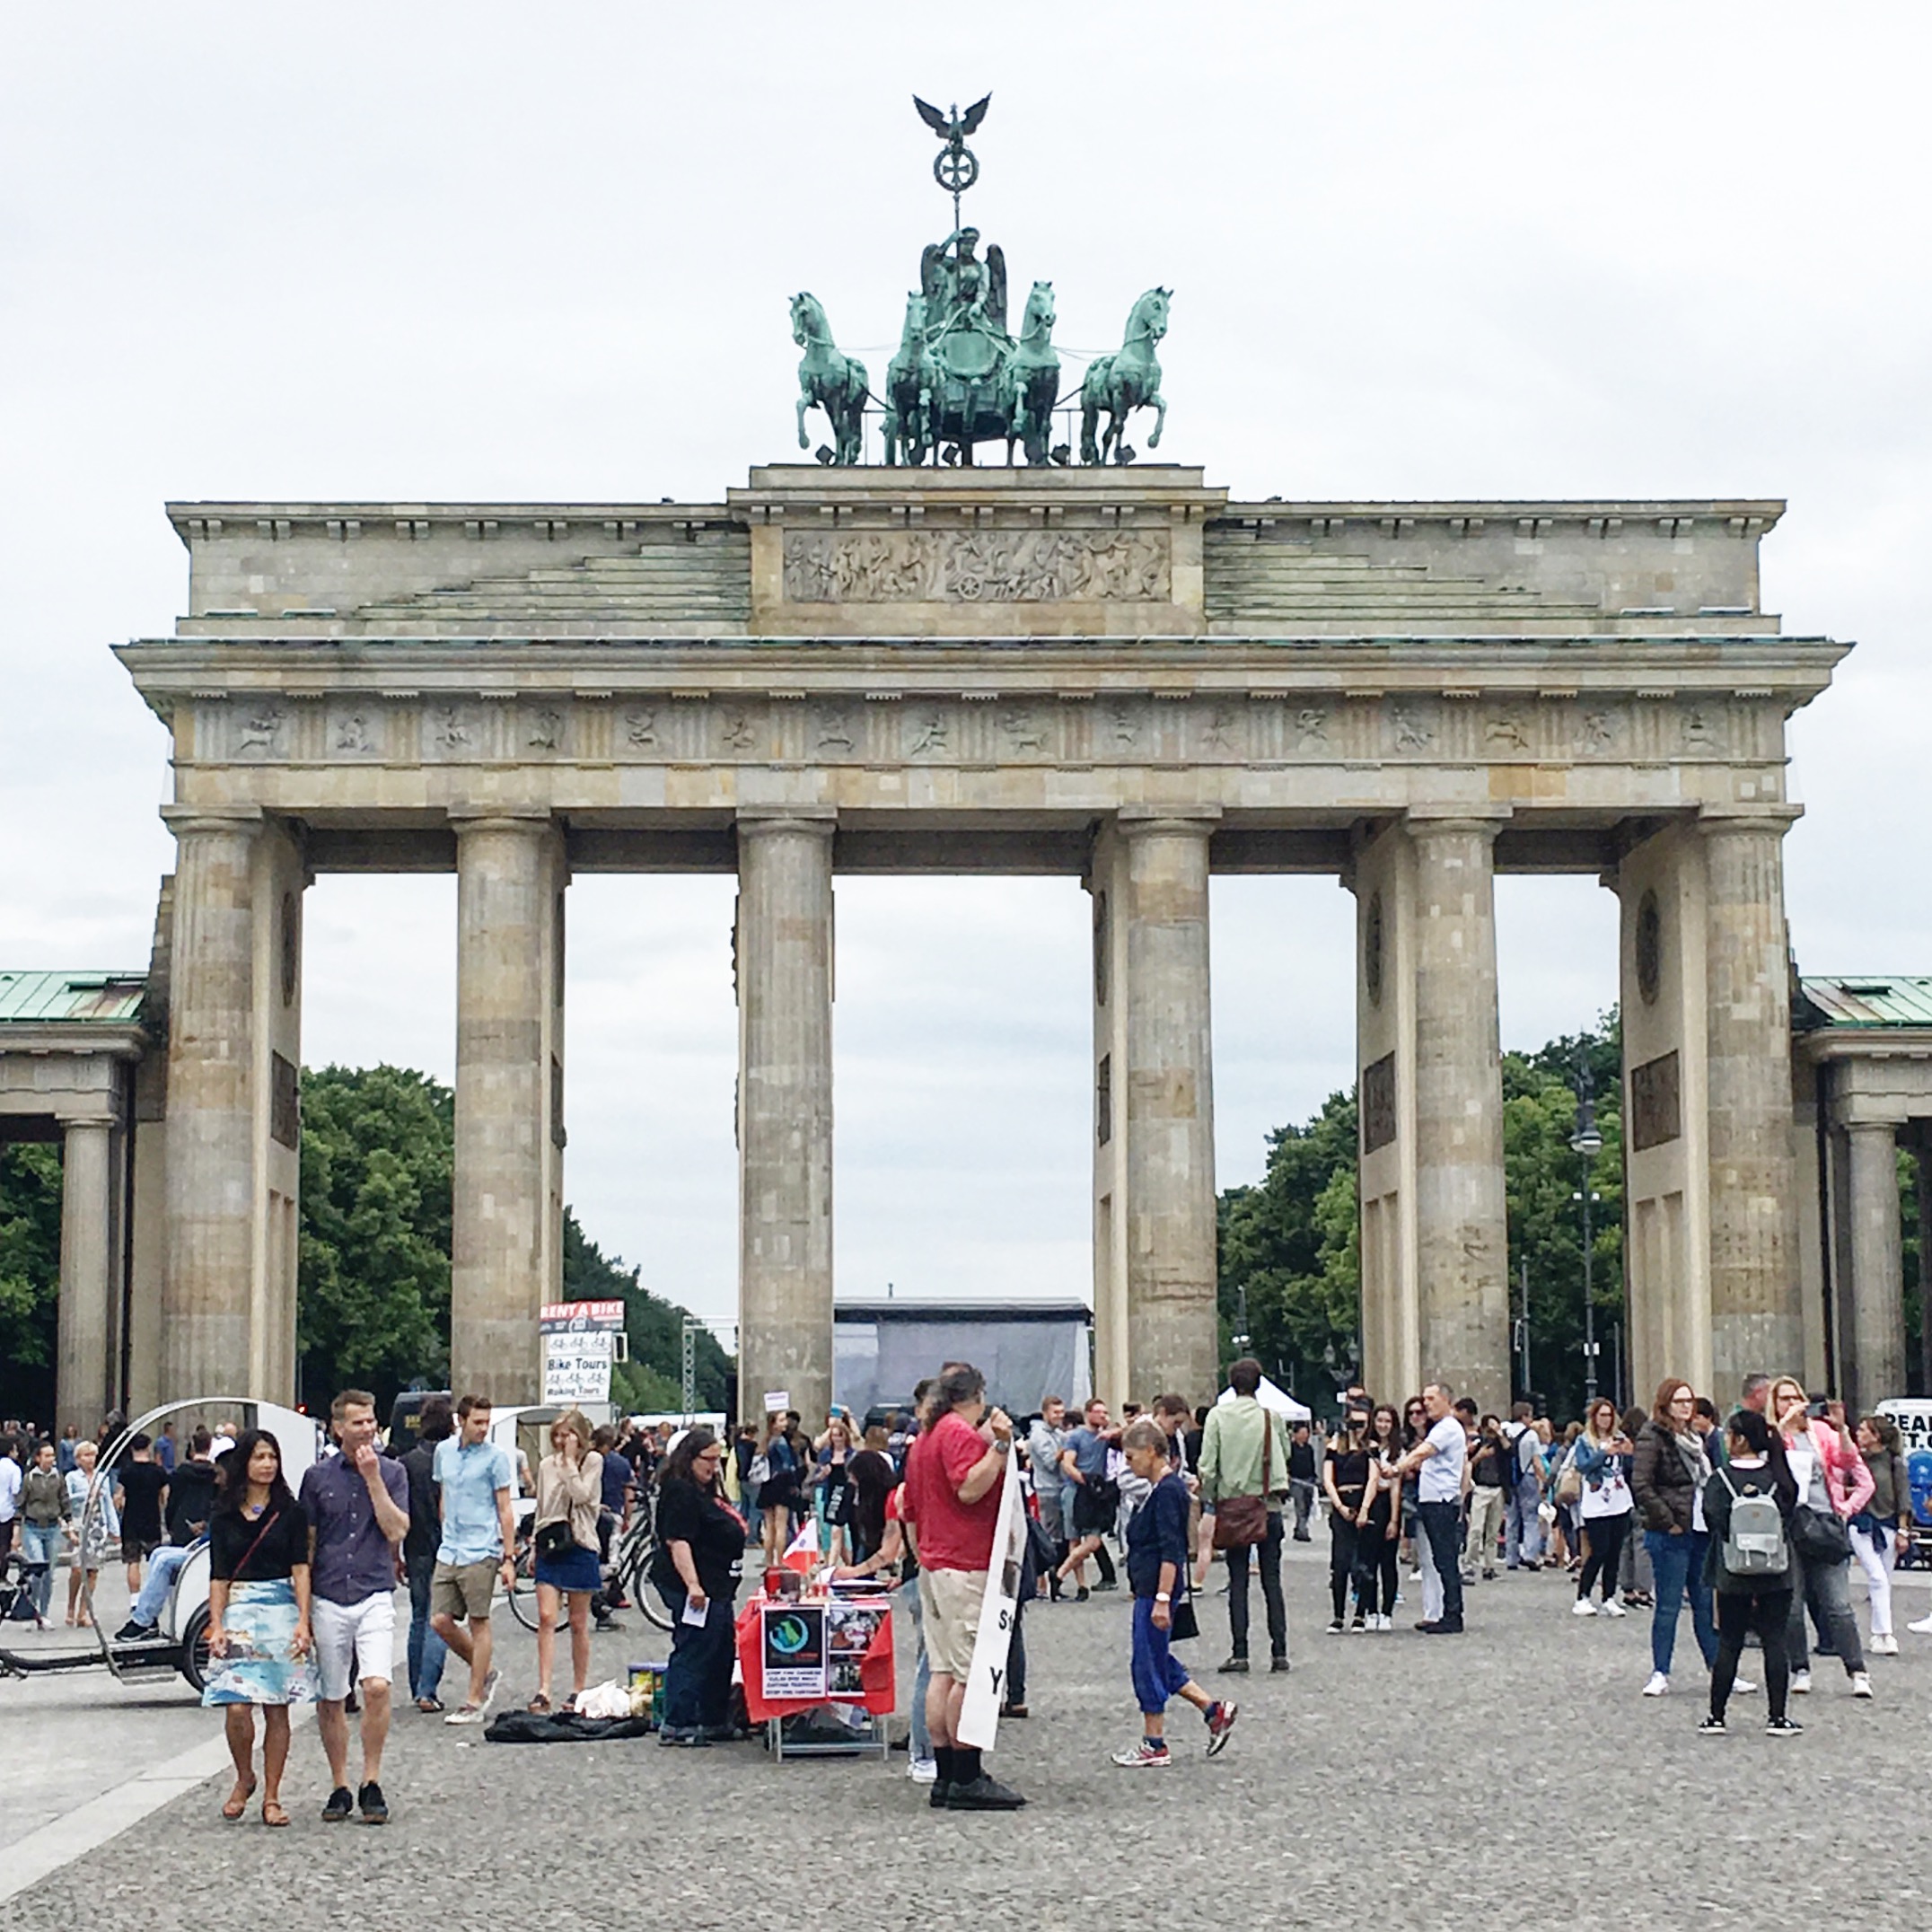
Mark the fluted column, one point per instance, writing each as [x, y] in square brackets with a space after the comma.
[1168, 1093]
[504, 1258]
[784, 1110]
[83, 1359]
[1873, 1367]
[210, 1159]
[1755, 1315]
[1461, 1216]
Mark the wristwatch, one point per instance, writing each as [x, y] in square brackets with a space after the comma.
[1002, 1448]
[1163, 1597]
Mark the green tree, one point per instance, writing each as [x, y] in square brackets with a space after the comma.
[29, 1278]
[373, 1292]
[654, 1377]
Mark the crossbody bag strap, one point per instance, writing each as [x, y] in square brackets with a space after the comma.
[274, 1516]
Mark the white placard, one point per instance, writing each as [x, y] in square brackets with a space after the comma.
[986, 1681]
[576, 1366]
[776, 1400]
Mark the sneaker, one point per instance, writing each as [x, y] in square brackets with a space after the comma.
[1236, 1667]
[1106, 1583]
[1360, 1622]
[1861, 1684]
[132, 1632]
[1144, 1755]
[1658, 1686]
[341, 1803]
[1335, 1627]
[1014, 1710]
[1615, 1609]
[1743, 1687]
[923, 1771]
[1385, 1621]
[371, 1804]
[1923, 1628]
[1279, 1666]
[1885, 1646]
[1221, 1717]
[1584, 1607]
[1488, 1576]
[1783, 1728]
[1711, 1727]
[491, 1684]
[983, 1793]
[465, 1713]
[1415, 1576]
[1082, 1594]
[1801, 1683]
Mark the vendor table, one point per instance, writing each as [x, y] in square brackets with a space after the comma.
[802, 1656]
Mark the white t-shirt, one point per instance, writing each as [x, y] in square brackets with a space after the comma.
[1441, 1475]
[1608, 1496]
[11, 1480]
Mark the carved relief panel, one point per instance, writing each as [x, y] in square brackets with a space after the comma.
[993, 567]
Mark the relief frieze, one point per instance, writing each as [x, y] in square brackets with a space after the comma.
[977, 567]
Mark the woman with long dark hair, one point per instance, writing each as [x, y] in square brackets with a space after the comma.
[1375, 1545]
[260, 1651]
[1750, 1598]
[1346, 1473]
[700, 1550]
[1415, 1426]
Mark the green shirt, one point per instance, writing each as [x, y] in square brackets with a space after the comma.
[1231, 1451]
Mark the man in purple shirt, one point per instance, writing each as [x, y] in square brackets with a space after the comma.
[358, 1508]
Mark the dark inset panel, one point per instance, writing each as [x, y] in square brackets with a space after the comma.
[1656, 1106]
[1378, 1103]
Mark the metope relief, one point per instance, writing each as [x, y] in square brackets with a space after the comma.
[981, 566]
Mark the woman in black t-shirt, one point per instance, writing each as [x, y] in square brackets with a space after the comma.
[259, 1644]
[1345, 1475]
[701, 1549]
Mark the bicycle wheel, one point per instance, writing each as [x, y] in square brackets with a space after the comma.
[638, 1586]
[523, 1593]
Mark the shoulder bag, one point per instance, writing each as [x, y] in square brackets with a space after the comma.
[1241, 1521]
[1819, 1535]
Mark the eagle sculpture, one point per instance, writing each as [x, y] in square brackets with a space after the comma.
[954, 127]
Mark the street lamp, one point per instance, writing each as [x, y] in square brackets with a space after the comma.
[1588, 1144]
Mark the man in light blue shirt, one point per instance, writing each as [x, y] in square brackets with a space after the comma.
[475, 1481]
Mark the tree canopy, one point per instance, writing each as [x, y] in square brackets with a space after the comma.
[29, 1278]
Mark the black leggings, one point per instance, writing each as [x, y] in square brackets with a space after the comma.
[1375, 1564]
[1343, 1537]
[1766, 1612]
[1605, 1536]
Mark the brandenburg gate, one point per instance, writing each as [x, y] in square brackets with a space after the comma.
[1110, 672]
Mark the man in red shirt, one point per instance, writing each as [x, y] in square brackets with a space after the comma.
[954, 1476]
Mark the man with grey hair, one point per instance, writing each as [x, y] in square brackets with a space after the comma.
[955, 1474]
[1441, 1456]
[1756, 1392]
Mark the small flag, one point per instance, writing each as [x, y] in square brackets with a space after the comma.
[802, 1555]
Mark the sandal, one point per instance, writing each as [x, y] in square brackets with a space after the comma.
[272, 1813]
[238, 1800]
[539, 1705]
[429, 1706]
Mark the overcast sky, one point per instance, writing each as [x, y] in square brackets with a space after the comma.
[427, 251]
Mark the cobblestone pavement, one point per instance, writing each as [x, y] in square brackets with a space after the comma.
[1512, 1776]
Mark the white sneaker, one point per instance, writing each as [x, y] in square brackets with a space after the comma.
[1658, 1686]
[1743, 1687]
[923, 1771]
[1613, 1607]
[1388, 1622]
[1885, 1646]
[1923, 1628]
[1801, 1683]
[1584, 1607]
[1861, 1684]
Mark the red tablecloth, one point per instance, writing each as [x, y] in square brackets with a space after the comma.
[880, 1691]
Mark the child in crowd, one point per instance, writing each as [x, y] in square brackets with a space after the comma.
[1157, 1572]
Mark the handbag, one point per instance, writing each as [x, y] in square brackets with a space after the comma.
[1820, 1535]
[554, 1540]
[1240, 1520]
[1569, 1484]
[1182, 1622]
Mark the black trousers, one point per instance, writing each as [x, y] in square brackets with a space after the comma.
[1442, 1525]
[1739, 1613]
[1345, 1541]
[1267, 1556]
[1375, 1568]
[1604, 1535]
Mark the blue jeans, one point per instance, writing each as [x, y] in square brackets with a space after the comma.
[427, 1651]
[1523, 1527]
[908, 1595]
[1158, 1673]
[1678, 1564]
[697, 1685]
[39, 1542]
[164, 1565]
[1442, 1524]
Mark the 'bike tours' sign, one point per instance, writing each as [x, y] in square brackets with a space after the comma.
[579, 1346]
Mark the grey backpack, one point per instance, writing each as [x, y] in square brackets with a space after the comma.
[1754, 1544]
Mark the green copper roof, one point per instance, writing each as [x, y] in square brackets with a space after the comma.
[71, 999]
[1879, 999]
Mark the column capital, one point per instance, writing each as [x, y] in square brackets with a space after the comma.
[1133, 821]
[819, 821]
[499, 819]
[1861, 1114]
[245, 820]
[1458, 822]
[1775, 819]
[73, 1122]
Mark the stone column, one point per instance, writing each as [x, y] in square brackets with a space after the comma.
[1922, 1154]
[210, 1157]
[502, 1265]
[1756, 1322]
[1462, 1219]
[784, 1110]
[1169, 1099]
[1874, 1365]
[82, 1371]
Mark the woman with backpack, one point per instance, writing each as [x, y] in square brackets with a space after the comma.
[1668, 1474]
[1748, 1505]
[1834, 1485]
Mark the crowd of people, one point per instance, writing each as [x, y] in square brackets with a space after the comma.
[1751, 1520]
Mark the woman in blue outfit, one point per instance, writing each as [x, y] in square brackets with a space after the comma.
[569, 1495]
[1667, 1476]
[260, 1651]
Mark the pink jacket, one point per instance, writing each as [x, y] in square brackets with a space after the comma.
[1847, 1480]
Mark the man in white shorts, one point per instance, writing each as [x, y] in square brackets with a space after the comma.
[358, 1508]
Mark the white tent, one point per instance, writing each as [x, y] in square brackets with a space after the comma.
[1277, 1399]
